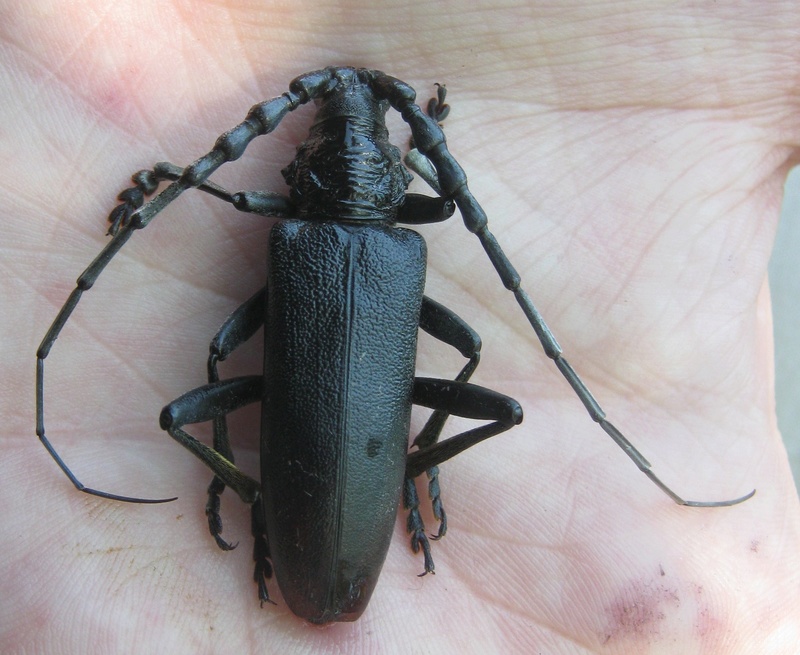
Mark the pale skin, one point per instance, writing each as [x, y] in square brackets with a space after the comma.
[631, 166]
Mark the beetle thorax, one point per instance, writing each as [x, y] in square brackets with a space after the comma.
[347, 169]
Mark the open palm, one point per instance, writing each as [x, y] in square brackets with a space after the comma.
[631, 167]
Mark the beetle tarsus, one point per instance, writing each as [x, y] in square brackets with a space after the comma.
[438, 109]
[435, 493]
[262, 572]
[145, 184]
[415, 526]
[224, 545]
[216, 487]
[263, 568]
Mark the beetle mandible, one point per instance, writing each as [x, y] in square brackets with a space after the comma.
[341, 311]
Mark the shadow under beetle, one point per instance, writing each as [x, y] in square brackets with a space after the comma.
[341, 311]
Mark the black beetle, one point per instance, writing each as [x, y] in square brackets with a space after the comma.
[341, 310]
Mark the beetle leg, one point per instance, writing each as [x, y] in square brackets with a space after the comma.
[261, 556]
[204, 404]
[240, 326]
[466, 400]
[415, 526]
[462, 399]
[262, 119]
[418, 209]
[145, 183]
[212, 402]
[438, 110]
[446, 326]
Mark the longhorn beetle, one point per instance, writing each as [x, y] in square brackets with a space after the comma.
[341, 311]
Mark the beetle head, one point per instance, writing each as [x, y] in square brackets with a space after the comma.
[347, 169]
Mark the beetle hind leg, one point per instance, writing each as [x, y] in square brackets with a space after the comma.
[207, 403]
[415, 525]
[446, 326]
[237, 328]
[211, 402]
[436, 502]
[261, 556]
[461, 399]
[204, 404]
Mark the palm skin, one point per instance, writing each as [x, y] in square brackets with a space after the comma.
[631, 167]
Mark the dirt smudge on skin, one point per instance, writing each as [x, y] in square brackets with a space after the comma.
[639, 609]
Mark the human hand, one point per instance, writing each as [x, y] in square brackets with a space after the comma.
[631, 166]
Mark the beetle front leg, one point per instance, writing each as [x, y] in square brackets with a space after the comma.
[145, 183]
[461, 399]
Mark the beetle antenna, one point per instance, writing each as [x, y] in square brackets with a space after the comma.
[133, 215]
[451, 181]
